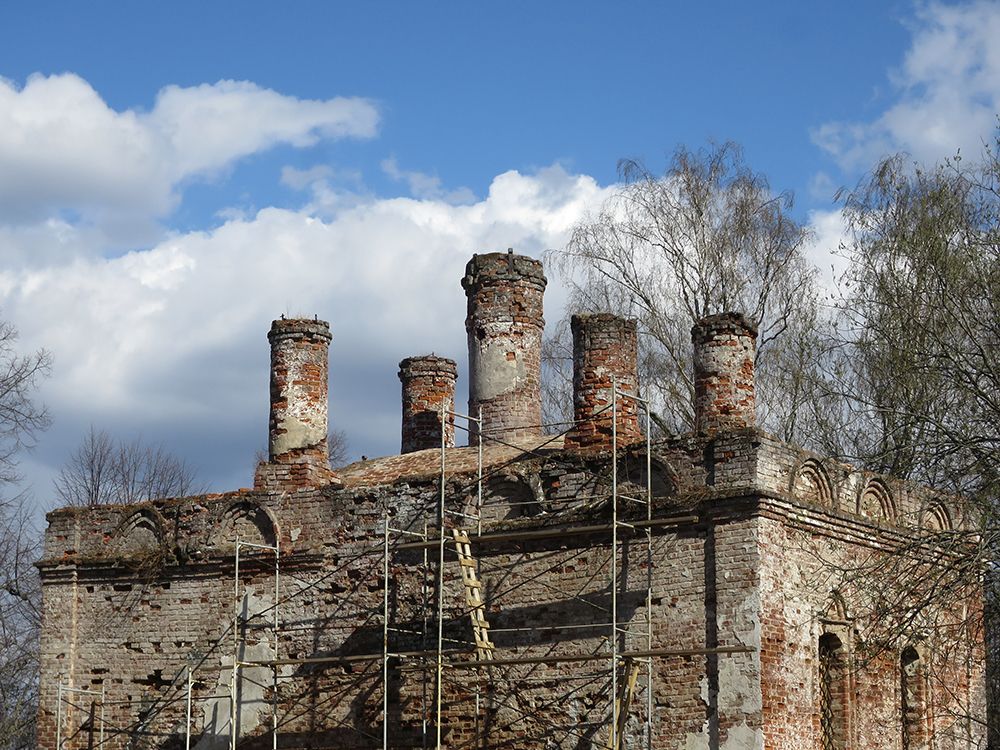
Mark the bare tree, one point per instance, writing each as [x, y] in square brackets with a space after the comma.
[20, 605]
[706, 236]
[21, 419]
[919, 324]
[913, 379]
[337, 448]
[104, 471]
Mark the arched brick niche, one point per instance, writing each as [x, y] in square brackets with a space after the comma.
[833, 693]
[935, 517]
[507, 496]
[913, 699]
[811, 483]
[247, 521]
[633, 478]
[876, 502]
[140, 533]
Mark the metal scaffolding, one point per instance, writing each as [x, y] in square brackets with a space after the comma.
[238, 662]
[462, 526]
[64, 694]
[448, 521]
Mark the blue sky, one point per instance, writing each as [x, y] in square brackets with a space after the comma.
[175, 175]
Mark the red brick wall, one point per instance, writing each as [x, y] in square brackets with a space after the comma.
[428, 385]
[605, 349]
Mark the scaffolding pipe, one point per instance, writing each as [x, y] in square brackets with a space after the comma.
[60, 689]
[440, 608]
[187, 712]
[385, 634]
[556, 532]
[614, 564]
[236, 649]
[237, 663]
[649, 579]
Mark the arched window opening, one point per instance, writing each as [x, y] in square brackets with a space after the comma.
[833, 692]
[912, 699]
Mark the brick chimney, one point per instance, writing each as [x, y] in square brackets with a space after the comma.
[604, 348]
[505, 324]
[724, 348]
[297, 430]
[428, 384]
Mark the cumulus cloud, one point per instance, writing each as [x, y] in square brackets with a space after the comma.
[947, 92]
[424, 185]
[173, 337]
[828, 229]
[64, 152]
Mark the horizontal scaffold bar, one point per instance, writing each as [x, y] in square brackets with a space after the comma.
[513, 660]
[549, 533]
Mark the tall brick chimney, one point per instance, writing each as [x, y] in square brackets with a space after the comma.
[605, 348]
[428, 384]
[297, 430]
[505, 324]
[724, 348]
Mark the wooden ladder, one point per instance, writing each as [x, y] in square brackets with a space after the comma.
[623, 703]
[473, 595]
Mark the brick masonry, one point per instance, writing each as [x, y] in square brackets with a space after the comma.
[723, 372]
[134, 593]
[605, 352]
[504, 325]
[742, 553]
[298, 422]
[428, 386]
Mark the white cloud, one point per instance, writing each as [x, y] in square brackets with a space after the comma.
[173, 338]
[424, 185]
[948, 92]
[64, 150]
[828, 230]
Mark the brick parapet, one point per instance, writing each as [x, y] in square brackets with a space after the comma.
[504, 324]
[428, 386]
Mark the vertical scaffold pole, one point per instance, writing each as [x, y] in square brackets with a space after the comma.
[385, 633]
[274, 622]
[187, 713]
[236, 650]
[440, 607]
[614, 564]
[424, 602]
[649, 578]
[479, 530]
[59, 702]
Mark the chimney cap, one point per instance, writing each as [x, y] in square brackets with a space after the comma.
[727, 322]
[427, 364]
[507, 266]
[299, 328]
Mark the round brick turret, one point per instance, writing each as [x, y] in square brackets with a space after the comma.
[504, 325]
[724, 348]
[605, 349]
[298, 423]
[428, 384]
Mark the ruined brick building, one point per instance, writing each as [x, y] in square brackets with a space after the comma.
[586, 589]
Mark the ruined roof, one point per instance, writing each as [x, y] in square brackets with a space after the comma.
[426, 464]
